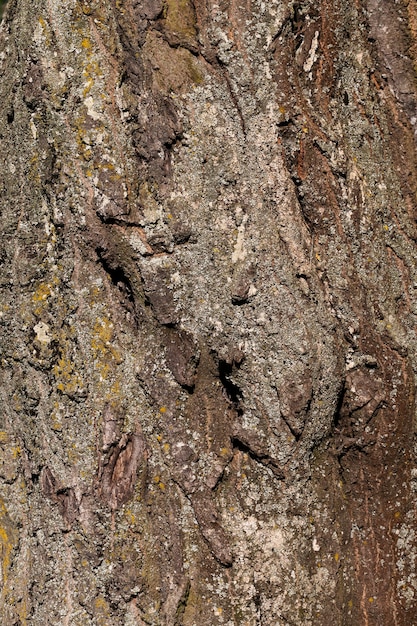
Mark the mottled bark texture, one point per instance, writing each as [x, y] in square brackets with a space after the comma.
[208, 313]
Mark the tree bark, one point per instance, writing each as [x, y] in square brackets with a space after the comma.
[208, 313]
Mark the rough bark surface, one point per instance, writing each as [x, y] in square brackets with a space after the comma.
[208, 313]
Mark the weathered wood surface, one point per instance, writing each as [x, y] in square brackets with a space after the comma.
[208, 313]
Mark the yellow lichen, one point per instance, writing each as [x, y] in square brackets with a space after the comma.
[102, 611]
[56, 423]
[68, 380]
[73, 454]
[104, 352]
[16, 451]
[42, 292]
[131, 518]
[91, 72]
[4, 437]
[95, 294]
[8, 540]
[46, 31]
[33, 174]
[101, 603]
[115, 388]
[23, 610]
[102, 334]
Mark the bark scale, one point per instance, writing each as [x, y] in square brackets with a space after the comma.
[208, 313]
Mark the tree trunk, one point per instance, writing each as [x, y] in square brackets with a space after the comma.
[208, 310]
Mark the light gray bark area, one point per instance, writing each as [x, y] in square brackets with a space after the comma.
[208, 274]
